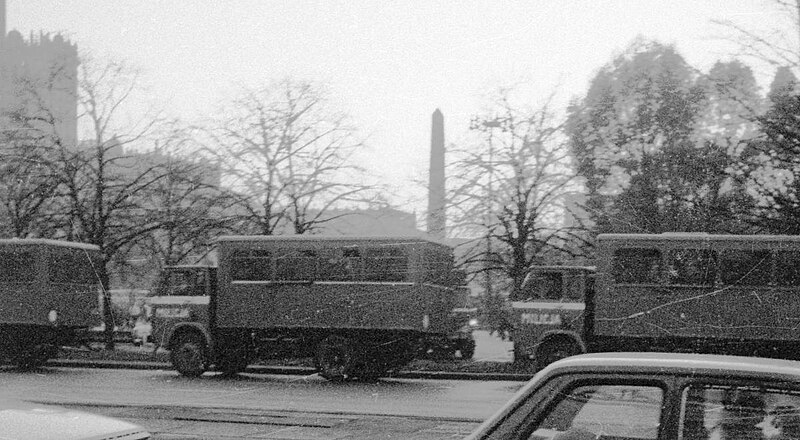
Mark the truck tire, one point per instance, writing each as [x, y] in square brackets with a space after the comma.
[554, 349]
[336, 358]
[188, 356]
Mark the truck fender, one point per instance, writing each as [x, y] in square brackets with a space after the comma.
[574, 336]
[193, 327]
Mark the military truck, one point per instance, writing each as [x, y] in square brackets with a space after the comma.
[360, 306]
[49, 296]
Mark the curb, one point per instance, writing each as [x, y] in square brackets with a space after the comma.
[284, 370]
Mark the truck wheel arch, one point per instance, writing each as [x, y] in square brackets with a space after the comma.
[566, 338]
[190, 328]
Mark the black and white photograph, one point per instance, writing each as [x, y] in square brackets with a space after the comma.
[400, 219]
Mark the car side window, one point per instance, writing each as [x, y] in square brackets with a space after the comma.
[595, 411]
[716, 412]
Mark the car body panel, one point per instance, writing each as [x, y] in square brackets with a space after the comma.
[31, 421]
[674, 373]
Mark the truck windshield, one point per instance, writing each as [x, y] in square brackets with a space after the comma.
[183, 283]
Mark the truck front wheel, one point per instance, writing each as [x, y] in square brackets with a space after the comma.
[188, 356]
[335, 358]
[553, 350]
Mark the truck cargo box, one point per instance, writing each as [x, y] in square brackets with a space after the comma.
[338, 282]
[48, 282]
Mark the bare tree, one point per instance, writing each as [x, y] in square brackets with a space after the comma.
[187, 202]
[778, 44]
[510, 191]
[286, 157]
[27, 184]
[104, 186]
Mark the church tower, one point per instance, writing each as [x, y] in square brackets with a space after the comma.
[38, 81]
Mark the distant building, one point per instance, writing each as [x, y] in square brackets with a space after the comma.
[38, 83]
[130, 163]
[384, 222]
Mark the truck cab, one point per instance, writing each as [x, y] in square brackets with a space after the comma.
[550, 314]
[183, 297]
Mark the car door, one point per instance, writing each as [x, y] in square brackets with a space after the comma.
[590, 407]
[729, 408]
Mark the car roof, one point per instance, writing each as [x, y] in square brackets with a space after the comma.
[679, 363]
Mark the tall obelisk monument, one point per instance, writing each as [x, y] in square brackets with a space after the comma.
[436, 185]
[2, 20]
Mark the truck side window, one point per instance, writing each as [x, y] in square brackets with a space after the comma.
[691, 267]
[787, 268]
[745, 267]
[252, 265]
[438, 267]
[17, 266]
[71, 266]
[340, 265]
[296, 265]
[636, 266]
[388, 263]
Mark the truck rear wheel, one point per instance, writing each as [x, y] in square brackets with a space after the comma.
[335, 358]
[188, 356]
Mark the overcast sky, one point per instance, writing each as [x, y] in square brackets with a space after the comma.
[388, 63]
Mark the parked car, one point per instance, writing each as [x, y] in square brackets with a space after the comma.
[627, 396]
[29, 421]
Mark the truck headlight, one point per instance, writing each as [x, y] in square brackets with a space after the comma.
[473, 322]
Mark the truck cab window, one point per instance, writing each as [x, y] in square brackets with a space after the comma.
[552, 286]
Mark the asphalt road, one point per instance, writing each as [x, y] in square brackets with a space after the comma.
[267, 406]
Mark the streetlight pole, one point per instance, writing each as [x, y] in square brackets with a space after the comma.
[489, 126]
